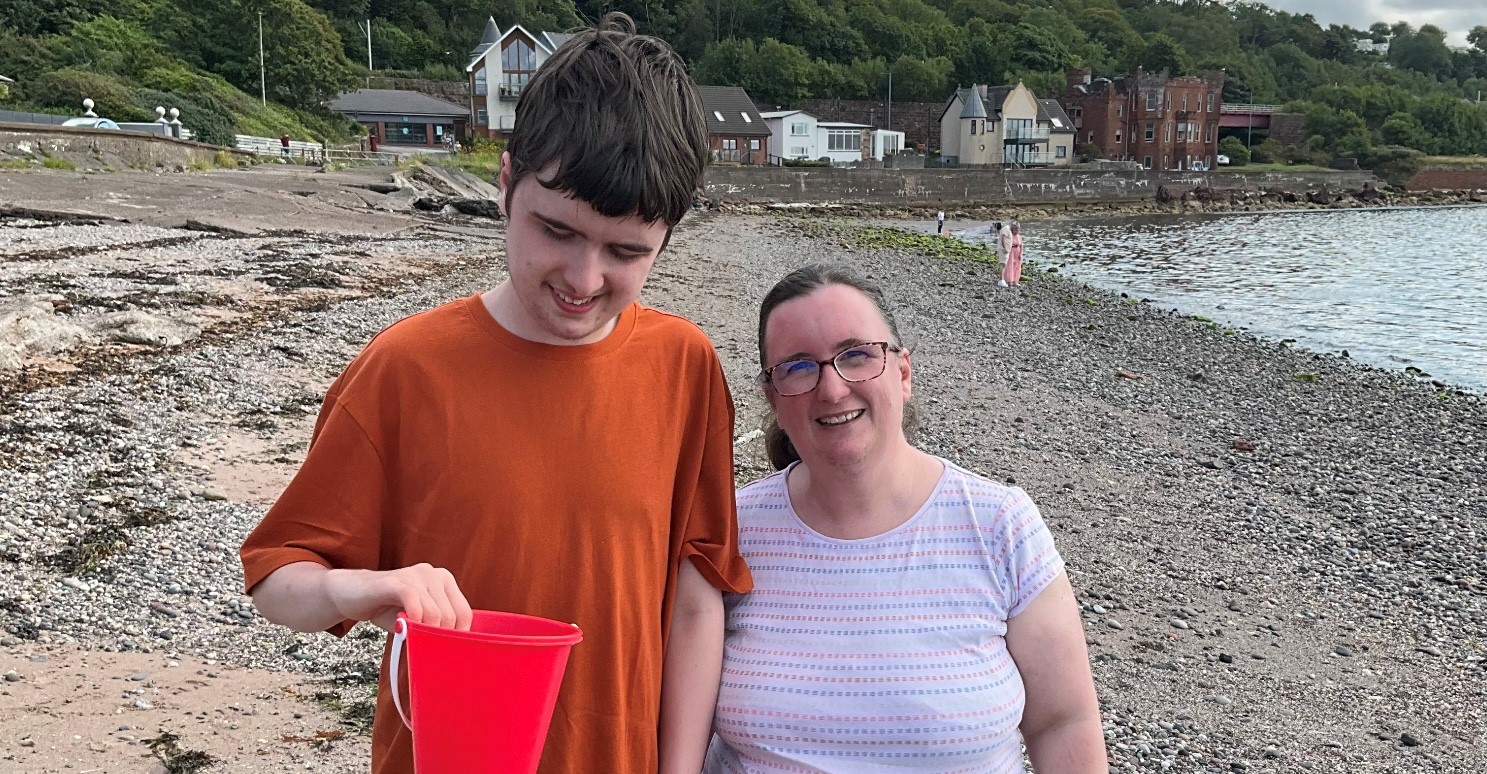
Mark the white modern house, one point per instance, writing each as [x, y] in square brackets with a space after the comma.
[1005, 125]
[796, 134]
[792, 134]
[499, 68]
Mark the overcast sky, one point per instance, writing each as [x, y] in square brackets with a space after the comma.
[1456, 17]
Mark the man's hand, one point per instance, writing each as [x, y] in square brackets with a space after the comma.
[426, 594]
[307, 597]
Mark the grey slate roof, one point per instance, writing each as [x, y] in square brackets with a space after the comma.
[973, 106]
[394, 102]
[731, 102]
[1049, 110]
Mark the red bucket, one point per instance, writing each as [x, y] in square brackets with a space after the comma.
[482, 699]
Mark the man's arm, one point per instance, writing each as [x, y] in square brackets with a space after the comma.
[689, 679]
[308, 597]
[1061, 721]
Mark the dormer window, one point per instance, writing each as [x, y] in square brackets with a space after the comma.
[746, 118]
[718, 114]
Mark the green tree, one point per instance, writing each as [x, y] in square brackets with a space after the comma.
[1478, 38]
[921, 80]
[1234, 148]
[1406, 130]
[1424, 51]
[1459, 128]
[1162, 52]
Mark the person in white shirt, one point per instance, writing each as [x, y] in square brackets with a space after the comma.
[907, 615]
[940, 222]
[1003, 249]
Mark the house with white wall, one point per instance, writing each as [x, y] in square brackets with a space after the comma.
[792, 134]
[1005, 125]
[500, 66]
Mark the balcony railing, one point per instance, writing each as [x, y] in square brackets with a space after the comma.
[1026, 134]
[741, 156]
[1031, 160]
[509, 91]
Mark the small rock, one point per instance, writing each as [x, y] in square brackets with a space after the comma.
[1178, 623]
[12, 677]
[76, 583]
[1225, 658]
[1409, 740]
[139, 677]
[142, 704]
[1343, 650]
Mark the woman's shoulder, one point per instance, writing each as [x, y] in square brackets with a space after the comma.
[982, 491]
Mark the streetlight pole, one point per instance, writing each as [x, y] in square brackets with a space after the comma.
[368, 31]
[890, 98]
[1249, 134]
[262, 82]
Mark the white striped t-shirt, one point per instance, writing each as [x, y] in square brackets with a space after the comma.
[883, 654]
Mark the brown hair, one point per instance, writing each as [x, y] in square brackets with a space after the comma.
[802, 282]
[621, 119]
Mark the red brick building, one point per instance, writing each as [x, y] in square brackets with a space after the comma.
[1151, 118]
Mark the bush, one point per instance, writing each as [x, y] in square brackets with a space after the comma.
[1268, 152]
[1394, 164]
[68, 88]
[207, 118]
[1234, 148]
[1090, 152]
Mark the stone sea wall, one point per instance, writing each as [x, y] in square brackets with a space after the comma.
[954, 187]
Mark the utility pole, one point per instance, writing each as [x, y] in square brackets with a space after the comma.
[368, 31]
[890, 98]
[262, 81]
[1249, 133]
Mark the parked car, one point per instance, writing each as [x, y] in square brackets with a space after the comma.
[1222, 160]
[95, 123]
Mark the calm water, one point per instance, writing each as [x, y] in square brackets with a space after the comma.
[1396, 288]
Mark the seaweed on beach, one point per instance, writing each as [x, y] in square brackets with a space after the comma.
[905, 240]
[167, 750]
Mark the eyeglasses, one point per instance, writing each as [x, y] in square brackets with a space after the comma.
[857, 363]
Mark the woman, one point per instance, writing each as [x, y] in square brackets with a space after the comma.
[907, 615]
[1012, 266]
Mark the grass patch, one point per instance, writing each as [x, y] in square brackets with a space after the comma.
[1454, 162]
[51, 162]
[1280, 168]
[15, 164]
[485, 165]
[887, 238]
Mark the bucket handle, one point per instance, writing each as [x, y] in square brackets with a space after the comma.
[399, 637]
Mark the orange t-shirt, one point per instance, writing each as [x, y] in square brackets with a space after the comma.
[563, 482]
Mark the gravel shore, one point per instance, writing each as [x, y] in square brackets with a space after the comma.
[1280, 555]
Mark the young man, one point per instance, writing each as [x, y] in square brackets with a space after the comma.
[549, 447]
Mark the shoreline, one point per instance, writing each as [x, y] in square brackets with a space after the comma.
[1304, 600]
[1038, 271]
[1198, 202]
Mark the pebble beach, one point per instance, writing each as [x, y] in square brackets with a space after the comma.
[1281, 556]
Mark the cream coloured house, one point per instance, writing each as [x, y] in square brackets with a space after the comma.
[1005, 126]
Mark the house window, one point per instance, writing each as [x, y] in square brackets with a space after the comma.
[1184, 103]
[518, 63]
[480, 81]
[754, 144]
[844, 140]
[1147, 163]
[1166, 162]
[799, 152]
[1151, 131]
[482, 117]
[798, 130]
[730, 145]
[1117, 137]
[1061, 152]
[746, 118]
[1120, 110]
[1152, 100]
[1167, 131]
[718, 114]
[1208, 137]
[1092, 137]
[1210, 103]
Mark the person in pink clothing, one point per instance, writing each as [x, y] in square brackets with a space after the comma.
[1012, 267]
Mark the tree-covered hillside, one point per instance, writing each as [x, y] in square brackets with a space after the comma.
[1420, 94]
